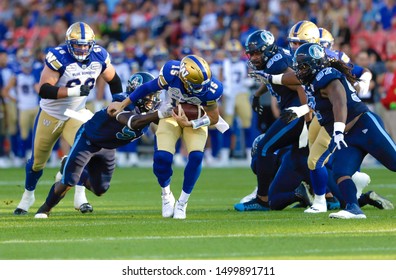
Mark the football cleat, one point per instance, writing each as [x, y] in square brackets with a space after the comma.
[180, 210]
[25, 203]
[352, 211]
[252, 205]
[168, 205]
[316, 208]
[303, 194]
[249, 196]
[332, 203]
[378, 201]
[86, 208]
[41, 216]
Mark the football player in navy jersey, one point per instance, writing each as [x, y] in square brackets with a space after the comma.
[307, 32]
[265, 56]
[70, 72]
[91, 161]
[355, 130]
[187, 81]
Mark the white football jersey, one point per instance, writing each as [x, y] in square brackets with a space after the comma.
[235, 75]
[73, 73]
[27, 98]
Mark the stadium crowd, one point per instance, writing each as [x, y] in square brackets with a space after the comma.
[145, 34]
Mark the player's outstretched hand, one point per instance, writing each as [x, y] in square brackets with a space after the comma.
[114, 108]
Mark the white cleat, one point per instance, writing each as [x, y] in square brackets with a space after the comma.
[168, 205]
[41, 216]
[249, 197]
[316, 208]
[361, 181]
[343, 214]
[180, 210]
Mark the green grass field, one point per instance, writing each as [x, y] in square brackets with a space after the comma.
[127, 225]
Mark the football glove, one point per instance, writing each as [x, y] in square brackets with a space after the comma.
[257, 107]
[261, 76]
[82, 90]
[338, 139]
[292, 113]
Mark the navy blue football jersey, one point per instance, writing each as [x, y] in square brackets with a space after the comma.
[278, 64]
[106, 132]
[322, 105]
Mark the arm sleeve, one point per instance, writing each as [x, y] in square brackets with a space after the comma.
[48, 91]
[144, 89]
[115, 84]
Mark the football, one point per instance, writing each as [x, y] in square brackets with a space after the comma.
[192, 111]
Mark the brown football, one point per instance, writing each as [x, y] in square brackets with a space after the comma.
[192, 111]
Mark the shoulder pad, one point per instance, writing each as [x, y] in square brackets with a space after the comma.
[54, 57]
[169, 72]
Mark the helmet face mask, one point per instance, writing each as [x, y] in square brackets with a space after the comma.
[259, 48]
[149, 102]
[308, 60]
[80, 40]
[195, 74]
[303, 32]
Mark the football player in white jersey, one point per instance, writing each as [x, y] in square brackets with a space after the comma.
[27, 101]
[70, 72]
[236, 97]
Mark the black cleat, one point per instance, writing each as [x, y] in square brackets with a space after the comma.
[86, 208]
[20, 212]
[303, 194]
[378, 201]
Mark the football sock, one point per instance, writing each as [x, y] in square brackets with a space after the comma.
[348, 190]
[184, 197]
[319, 180]
[52, 198]
[32, 177]
[162, 167]
[192, 170]
[166, 190]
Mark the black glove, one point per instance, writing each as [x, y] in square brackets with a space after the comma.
[288, 115]
[257, 107]
[84, 90]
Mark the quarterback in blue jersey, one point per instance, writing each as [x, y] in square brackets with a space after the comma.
[355, 129]
[91, 161]
[187, 81]
[265, 56]
[70, 72]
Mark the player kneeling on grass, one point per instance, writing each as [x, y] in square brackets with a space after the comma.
[91, 161]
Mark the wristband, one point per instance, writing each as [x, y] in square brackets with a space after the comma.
[129, 121]
[277, 79]
[204, 121]
[120, 113]
[74, 91]
[302, 110]
[339, 127]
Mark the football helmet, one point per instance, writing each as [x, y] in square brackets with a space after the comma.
[149, 102]
[25, 58]
[260, 47]
[195, 74]
[117, 52]
[80, 40]
[308, 60]
[233, 48]
[303, 32]
[325, 38]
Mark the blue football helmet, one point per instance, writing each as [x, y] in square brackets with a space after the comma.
[308, 60]
[80, 40]
[260, 42]
[195, 74]
[149, 102]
